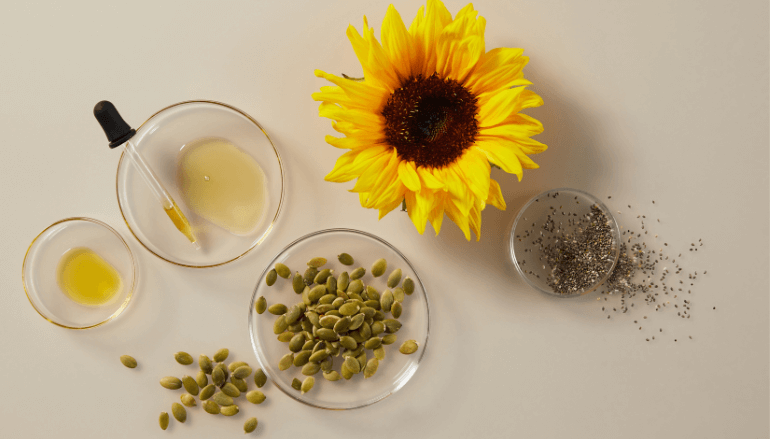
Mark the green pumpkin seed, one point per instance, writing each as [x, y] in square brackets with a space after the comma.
[309, 276]
[163, 420]
[327, 299]
[379, 267]
[342, 325]
[367, 311]
[391, 325]
[277, 309]
[389, 339]
[280, 325]
[230, 410]
[343, 295]
[371, 367]
[331, 285]
[355, 297]
[352, 365]
[316, 262]
[321, 309]
[398, 295]
[307, 384]
[346, 373]
[386, 301]
[285, 337]
[302, 358]
[316, 293]
[190, 385]
[260, 378]
[328, 321]
[338, 302]
[408, 347]
[207, 392]
[356, 322]
[311, 369]
[379, 353]
[319, 356]
[286, 362]
[222, 399]
[179, 412]
[188, 400]
[305, 298]
[128, 361]
[395, 278]
[373, 304]
[327, 334]
[255, 397]
[373, 343]
[183, 358]
[229, 389]
[334, 312]
[348, 342]
[171, 383]
[239, 384]
[261, 305]
[319, 346]
[296, 343]
[282, 270]
[332, 375]
[296, 384]
[313, 318]
[378, 316]
[295, 327]
[396, 309]
[369, 321]
[308, 345]
[345, 259]
[349, 309]
[322, 275]
[297, 283]
[362, 360]
[326, 365]
[355, 287]
[235, 365]
[242, 372]
[205, 364]
[292, 314]
[211, 407]
[218, 375]
[408, 286]
[343, 281]
[356, 335]
[377, 328]
[358, 273]
[250, 425]
[271, 277]
[222, 354]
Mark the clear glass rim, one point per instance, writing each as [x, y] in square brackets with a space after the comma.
[272, 222]
[254, 343]
[130, 255]
[615, 237]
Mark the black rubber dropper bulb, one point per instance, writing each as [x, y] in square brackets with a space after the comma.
[116, 129]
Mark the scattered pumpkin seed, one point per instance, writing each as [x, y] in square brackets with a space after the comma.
[398, 295]
[277, 309]
[286, 361]
[379, 353]
[342, 281]
[373, 343]
[205, 364]
[188, 400]
[352, 365]
[261, 305]
[271, 277]
[391, 325]
[171, 383]
[327, 299]
[355, 287]
[349, 309]
[296, 343]
[316, 262]
[230, 410]
[331, 285]
[229, 389]
[356, 322]
[396, 309]
[408, 347]
[302, 358]
[345, 259]
[239, 384]
[211, 407]
[285, 337]
[386, 301]
[250, 425]
[309, 276]
[207, 392]
[319, 356]
[379, 267]
[408, 286]
[313, 318]
[222, 399]
[255, 397]
[358, 273]
[128, 361]
[311, 369]
[332, 375]
[322, 275]
[242, 372]
[307, 384]
[346, 373]
[377, 328]
[221, 355]
[327, 334]
[362, 360]
[179, 412]
[163, 420]
[183, 358]
[342, 325]
[389, 339]
[280, 325]
[316, 293]
[260, 378]
[296, 384]
[218, 376]
[190, 385]
[371, 367]
[297, 283]
[395, 278]
[282, 270]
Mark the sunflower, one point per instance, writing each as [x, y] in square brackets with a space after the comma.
[432, 114]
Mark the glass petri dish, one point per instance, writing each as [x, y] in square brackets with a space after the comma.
[533, 240]
[160, 140]
[393, 372]
[40, 264]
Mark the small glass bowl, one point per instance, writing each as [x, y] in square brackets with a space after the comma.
[38, 272]
[564, 204]
[393, 372]
[160, 140]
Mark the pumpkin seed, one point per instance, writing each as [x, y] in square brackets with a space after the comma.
[230, 410]
[239, 384]
[327, 299]
[311, 369]
[395, 278]
[211, 407]
[261, 305]
[345, 259]
[255, 397]
[408, 286]
[342, 294]
[222, 354]
[207, 392]
[179, 412]
[352, 365]
[307, 384]
[305, 298]
[332, 375]
[313, 318]
[242, 372]
[391, 325]
[386, 301]
[302, 358]
[322, 275]
[379, 267]
[355, 287]
[218, 376]
[338, 302]
[377, 328]
[348, 342]
[389, 339]
[190, 385]
[367, 311]
[183, 358]
[316, 262]
[356, 322]
[326, 365]
[272, 276]
[319, 346]
[378, 316]
[294, 328]
[328, 321]
[205, 364]
[379, 353]
[349, 309]
[358, 273]
[229, 389]
[296, 384]
[316, 293]
[260, 378]
[396, 309]
[356, 335]
[342, 325]
[309, 276]
[285, 337]
[295, 345]
[373, 343]
[297, 283]
[346, 373]
[163, 420]
[327, 334]
[286, 361]
[322, 309]
[280, 325]
[408, 347]
[308, 345]
[235, 365]
[343, 280]
[222, 399]
[282, 270]
[277, 309]
[355, 297]
[128, 361]
[398, 295]
[319, 356]
[362, 360]
[371, 367]
[250, 425]
[331, 285]
[171, 383]
[188, 400]
[373, 304]
[292, 314]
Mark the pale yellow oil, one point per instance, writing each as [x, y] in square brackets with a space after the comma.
[179, 220]
[86, 278]
[222, 184]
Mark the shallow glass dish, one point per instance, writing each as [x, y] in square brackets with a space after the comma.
[160, 140]
[40, 264]
[564, 205]
[393, 372]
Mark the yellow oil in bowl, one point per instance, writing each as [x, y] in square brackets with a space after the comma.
[86, 278]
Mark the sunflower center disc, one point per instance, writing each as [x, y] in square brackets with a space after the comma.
[430, 121]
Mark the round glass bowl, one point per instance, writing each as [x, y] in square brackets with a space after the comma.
[39, 272]
[565, 242]
[393, 372]
[159, 140]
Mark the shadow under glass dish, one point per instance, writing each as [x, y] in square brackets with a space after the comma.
[527, 229]
[160, 140]
[393, 372]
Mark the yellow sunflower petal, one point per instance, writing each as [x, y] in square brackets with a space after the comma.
[500, 155]
[436, 215]
[351, 164]
[458, 218]
[474, 169]
[495, 197]
[365, 120]
[368, 177]
[497, 70]
[474, 220]
[386, 209]
[428, 179]
[499, 106]
[408, 176]
[358, 92]
[426, 30]
[397, 43]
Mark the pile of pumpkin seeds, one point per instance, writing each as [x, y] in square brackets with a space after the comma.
[337, 316]
[217, 385]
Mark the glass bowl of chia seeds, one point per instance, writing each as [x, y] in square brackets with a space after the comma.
[565, 242]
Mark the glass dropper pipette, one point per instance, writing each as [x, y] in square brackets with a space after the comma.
[119, 132]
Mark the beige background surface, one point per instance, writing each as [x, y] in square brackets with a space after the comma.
[654, 100]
